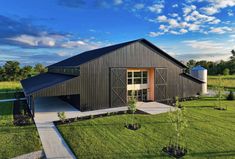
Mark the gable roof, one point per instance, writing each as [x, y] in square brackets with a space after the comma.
[41, 81]
[93, 54]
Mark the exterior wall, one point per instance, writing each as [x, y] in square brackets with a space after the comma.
[190, 87]
[94, 75]
[70, 87]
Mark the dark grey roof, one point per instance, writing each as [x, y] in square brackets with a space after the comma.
[192, 78]
[44, 80]
[93, 54]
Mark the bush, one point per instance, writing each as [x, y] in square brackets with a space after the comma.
[230, 96]
[226, 71]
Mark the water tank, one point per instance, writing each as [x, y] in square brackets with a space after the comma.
[200, 73]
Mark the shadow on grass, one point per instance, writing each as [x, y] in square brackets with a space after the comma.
[139, 154]
[214, 154]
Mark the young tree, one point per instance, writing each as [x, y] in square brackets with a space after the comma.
[61, 116]
[178, 122]
[219, 91]
[132, 106]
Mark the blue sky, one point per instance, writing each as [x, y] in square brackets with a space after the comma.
[47, 31]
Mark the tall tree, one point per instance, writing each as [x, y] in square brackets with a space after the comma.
[12, 70]
[26, 72]
[40, 68]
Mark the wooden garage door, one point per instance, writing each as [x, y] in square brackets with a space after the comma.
[118, 87]
[160, 84]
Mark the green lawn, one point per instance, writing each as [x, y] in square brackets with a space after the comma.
[15, 140]
[9, 86]
[227, 81]
[211, 133]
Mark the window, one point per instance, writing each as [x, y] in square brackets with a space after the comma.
[137, 77]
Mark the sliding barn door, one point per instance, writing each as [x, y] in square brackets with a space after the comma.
[160, 84]
[118, 87]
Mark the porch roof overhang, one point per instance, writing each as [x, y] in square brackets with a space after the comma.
[42, 81]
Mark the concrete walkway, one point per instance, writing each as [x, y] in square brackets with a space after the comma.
[46, 110]
[53, 143]
[154, 107]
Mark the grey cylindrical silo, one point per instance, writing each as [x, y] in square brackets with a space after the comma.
[200, 73]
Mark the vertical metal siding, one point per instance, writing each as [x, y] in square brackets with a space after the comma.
[94, 75]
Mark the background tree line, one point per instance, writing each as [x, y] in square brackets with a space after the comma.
[12, 71]
[215, 68]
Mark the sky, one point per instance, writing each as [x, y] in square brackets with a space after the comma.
[47, 31]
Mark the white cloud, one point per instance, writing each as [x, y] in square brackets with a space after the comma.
[156, 8]
[174, 5]
[220, 30]
[117, 2]
[174, 15]
[216, 5]
[183, 31]
[44, 40]
[64, 53]
[194, 27]
[154, 34]
[139, 6]
[72, 44]
[230, 13]
[162, 18]
[173, 23]
[188, 9]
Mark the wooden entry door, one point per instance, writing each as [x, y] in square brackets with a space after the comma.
[160, 84]
[118, 87]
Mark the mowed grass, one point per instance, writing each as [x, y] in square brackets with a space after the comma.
[15, 140]
[9, 86]
[211, 134]
[227, 81]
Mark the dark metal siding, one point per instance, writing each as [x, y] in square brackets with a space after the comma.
[94, 75]
[190, 87]
[69, 87]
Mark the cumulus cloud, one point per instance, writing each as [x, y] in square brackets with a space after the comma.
[155, 34]
[221, 30]
[215, 6]
[156, 8]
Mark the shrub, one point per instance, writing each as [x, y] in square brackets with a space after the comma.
[230, 96]
[226, 71]
[61, 116]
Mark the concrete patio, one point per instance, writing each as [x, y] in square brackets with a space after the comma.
[154, 107]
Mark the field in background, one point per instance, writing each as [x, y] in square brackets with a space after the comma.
[227, 81]
[9, 86]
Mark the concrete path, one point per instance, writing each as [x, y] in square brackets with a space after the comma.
[11, 100]
[154, 107]
[46, 110]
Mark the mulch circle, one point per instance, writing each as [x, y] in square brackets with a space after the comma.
[135, 126]
[175, 151]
